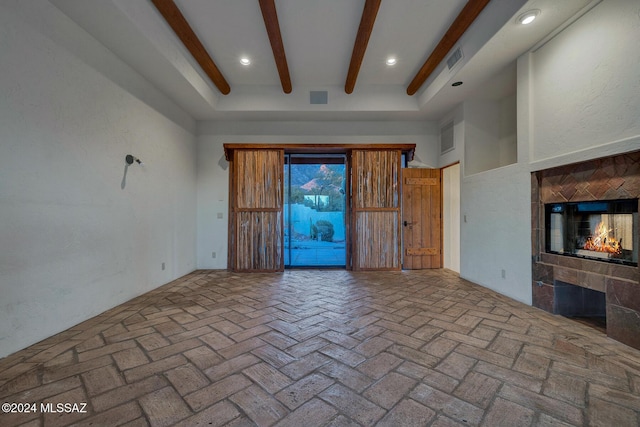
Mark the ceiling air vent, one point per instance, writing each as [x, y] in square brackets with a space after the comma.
[454, 58]
[318, 97]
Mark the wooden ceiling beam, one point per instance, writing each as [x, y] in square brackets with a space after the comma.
[171, 13]
[362, 40]
[270, 18]
[462, 22]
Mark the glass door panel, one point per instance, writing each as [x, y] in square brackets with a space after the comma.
[314, 211]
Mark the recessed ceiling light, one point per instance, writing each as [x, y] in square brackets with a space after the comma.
[245, 61]
[454, 84]
[391, 61]
[528, 17]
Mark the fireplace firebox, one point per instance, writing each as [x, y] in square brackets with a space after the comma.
[604, 230]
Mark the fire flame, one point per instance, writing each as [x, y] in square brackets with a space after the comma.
[601, 241]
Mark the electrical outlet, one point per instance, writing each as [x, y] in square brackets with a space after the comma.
[163, 266]
[465, 218]
[213, 254]
[504, 273]
[219, 215]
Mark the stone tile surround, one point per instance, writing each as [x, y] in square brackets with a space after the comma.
[609, 178]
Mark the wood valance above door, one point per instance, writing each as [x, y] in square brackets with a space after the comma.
[407, 149]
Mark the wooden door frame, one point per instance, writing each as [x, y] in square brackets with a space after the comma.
[442, 208]
[407, 149]
[347, 199]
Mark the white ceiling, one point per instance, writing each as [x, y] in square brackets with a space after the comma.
[318, 37]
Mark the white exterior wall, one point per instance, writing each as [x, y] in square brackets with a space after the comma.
[73, 242]
[213, 178]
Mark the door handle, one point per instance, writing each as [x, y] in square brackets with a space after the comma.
[407, 223]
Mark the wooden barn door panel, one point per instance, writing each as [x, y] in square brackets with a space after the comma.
[259, 241]
[376, 209]
[256, 217]
[377, 240]
[421, 212]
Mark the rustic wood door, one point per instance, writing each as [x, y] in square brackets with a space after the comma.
[375, 187]
[256, 233]
[421, 219]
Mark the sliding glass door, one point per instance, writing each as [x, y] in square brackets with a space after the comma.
[314, 211]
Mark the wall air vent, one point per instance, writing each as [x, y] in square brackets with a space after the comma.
[318, 97]
[454, 58]
[446, 138]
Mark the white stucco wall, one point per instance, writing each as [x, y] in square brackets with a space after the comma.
[73, 242]
[457, 153]
[507, 136]
[213, 178]
[490, 132]
[482, 126]
[496, 231]
[586, 86]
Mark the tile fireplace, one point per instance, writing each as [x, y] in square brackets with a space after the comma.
[585, 242]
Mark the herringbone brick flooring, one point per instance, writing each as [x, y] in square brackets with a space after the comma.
[334, 348]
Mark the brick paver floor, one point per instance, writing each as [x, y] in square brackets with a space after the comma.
[324, 348]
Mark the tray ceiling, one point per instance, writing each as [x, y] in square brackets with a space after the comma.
[320, 40]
